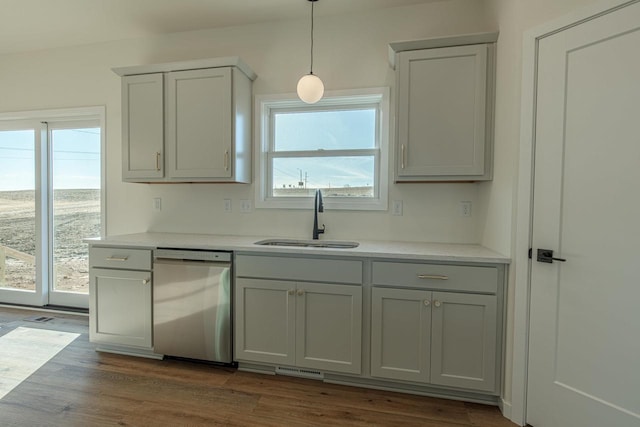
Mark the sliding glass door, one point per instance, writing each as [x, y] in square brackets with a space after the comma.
[19, 219]
[74, 202]
[50, 200]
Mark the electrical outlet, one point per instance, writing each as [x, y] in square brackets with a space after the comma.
[157, 204]
[227, 205]
[245, 206]
[465, 209]
[396, 208]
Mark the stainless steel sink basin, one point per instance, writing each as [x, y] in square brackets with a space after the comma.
[309, 243]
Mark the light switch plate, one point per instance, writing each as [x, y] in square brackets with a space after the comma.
[157, 204]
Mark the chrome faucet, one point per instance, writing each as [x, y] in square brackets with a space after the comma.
[318, 207]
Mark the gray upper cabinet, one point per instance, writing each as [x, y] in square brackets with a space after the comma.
[444, 104]
[142, 127]
[187, 121]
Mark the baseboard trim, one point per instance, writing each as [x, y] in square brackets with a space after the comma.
[505, 407]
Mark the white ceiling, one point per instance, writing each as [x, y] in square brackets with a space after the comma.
[43, 24]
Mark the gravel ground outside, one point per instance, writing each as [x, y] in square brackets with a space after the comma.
[76, 216]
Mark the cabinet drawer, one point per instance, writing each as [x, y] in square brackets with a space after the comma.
[436, 276]
[306, 269]
[122, 258]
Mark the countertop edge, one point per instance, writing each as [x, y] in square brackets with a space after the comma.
[372, 249]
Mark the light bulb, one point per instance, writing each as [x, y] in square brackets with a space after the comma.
[310, 88]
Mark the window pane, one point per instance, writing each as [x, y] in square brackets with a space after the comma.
[326, 130]
[17, 210]
[76, 204]
[336, 176]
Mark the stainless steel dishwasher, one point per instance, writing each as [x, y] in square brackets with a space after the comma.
[192, 304]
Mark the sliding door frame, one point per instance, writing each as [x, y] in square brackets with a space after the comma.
[57, 119]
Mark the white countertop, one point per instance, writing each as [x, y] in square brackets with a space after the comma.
[445, 252]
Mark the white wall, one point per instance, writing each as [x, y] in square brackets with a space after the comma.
[497, 200]
[350, 51]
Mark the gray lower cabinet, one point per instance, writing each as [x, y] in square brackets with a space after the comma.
[307, 325]
[433, 336]
[401, 334]
[299, 312]
[120, 297]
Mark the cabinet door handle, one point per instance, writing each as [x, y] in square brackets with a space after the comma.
[146, 281]
[433, 276]
[300, 292]
[118, 258]
[437, 303]
[158, 161]
[226, 160]
[427, 302]
[402, 155]
[291, 292]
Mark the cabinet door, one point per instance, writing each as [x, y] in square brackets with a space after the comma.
[265, 321]
[400, 334]
[120, 307]
[463, 340]
[199, 123]
[441, 113]
[142, 127]
[329, 327]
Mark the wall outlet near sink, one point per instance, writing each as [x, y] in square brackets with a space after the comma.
[465, 209]
[245, 206]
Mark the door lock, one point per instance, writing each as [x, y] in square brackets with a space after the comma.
[546, 255]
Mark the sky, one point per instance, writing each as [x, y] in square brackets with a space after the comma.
[324, 130]
[76, 159]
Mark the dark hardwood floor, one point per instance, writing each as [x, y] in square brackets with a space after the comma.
[81, 387]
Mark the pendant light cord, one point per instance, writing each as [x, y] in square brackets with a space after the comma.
[312, 2]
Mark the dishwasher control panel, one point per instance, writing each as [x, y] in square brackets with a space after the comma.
[194, 255]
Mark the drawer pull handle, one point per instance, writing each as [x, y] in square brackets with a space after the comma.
[433, 276]
[292, 292]
[146, 281]
[437, 303]
[402, 155]
[426, 303]
[300, 292]
[226, 160]
[118, 258]
[158, 161]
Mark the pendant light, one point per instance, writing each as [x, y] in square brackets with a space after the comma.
[310, 87]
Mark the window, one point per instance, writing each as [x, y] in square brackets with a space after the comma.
[338, 145]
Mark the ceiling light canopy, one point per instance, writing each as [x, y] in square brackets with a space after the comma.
[310, 87]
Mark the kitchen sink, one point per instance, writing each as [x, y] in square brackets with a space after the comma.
[309, 243]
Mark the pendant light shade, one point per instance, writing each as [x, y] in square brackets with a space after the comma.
[310, 87]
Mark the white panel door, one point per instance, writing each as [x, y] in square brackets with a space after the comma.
[584, 349]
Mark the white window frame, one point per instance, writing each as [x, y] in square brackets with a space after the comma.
[265, 105]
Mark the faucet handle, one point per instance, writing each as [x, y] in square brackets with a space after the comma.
[321, 230]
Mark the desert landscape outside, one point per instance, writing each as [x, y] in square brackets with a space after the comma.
[76, 215]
